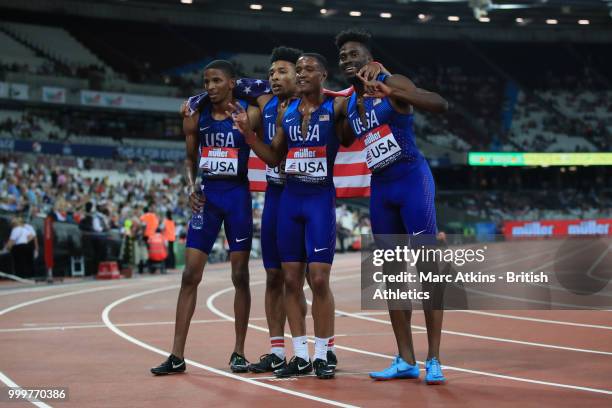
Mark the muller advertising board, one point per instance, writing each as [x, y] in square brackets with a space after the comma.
[560, 228]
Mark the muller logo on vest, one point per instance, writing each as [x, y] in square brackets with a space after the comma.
[307, 161]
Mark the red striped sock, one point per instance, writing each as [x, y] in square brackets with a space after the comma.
[277, 346]
[331, 345]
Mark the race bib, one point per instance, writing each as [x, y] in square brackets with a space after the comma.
[307, 161]
[381, 148]
[219, 161]
[276, 175]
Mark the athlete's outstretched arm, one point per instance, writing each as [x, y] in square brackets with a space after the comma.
[271, 154]
[403, 91]
[190, 128]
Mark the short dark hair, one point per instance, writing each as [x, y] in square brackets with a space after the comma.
[320, 59]
[283, 53]
[354, 34]
[222, 65]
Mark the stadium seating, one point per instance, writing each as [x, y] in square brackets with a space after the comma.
[55, 42]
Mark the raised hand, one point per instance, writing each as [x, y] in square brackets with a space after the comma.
[369, 72]
[241, 120]
[239, 116]
[376, 89]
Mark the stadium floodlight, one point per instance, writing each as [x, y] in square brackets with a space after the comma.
[385, 15]
[453, 18]
[256, 7]
[355, 13]
[287, 9]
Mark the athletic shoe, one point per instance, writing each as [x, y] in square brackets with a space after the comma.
[267, 363]
[332, 360]
[434, 372]
[238, 363]
[172, 365]
[398, 369]
[296, 366]
[323, 369]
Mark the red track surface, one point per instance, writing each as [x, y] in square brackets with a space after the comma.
[99, 339]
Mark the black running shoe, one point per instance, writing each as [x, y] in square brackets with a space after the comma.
[296, 366]
[267, 363]
[332, 360]
[238, 363]
[172, 365]
[323, 370]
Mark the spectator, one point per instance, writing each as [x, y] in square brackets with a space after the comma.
[169, 229]
[19, 245]
[158, 251]
[151, 222]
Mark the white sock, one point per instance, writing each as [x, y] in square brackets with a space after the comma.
[277, 346]
[300, 347]
[321, 348]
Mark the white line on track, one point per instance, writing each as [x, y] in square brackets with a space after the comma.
[11, 383]
[6, 380]
[164, 353]
[65, 294]
[72, 285]
[478, 336]
[533, 319]
[101, 325]
[211, 306]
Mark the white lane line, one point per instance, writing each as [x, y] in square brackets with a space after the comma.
[6, 380]
[101, 325]
[464, 334]
[549, 287]
[89, 282]
[373, 334]
[117, 331]
[11, 383]
[478, 336]
[596, 264]
[533, 319]
[211, 306]
[65, 294]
